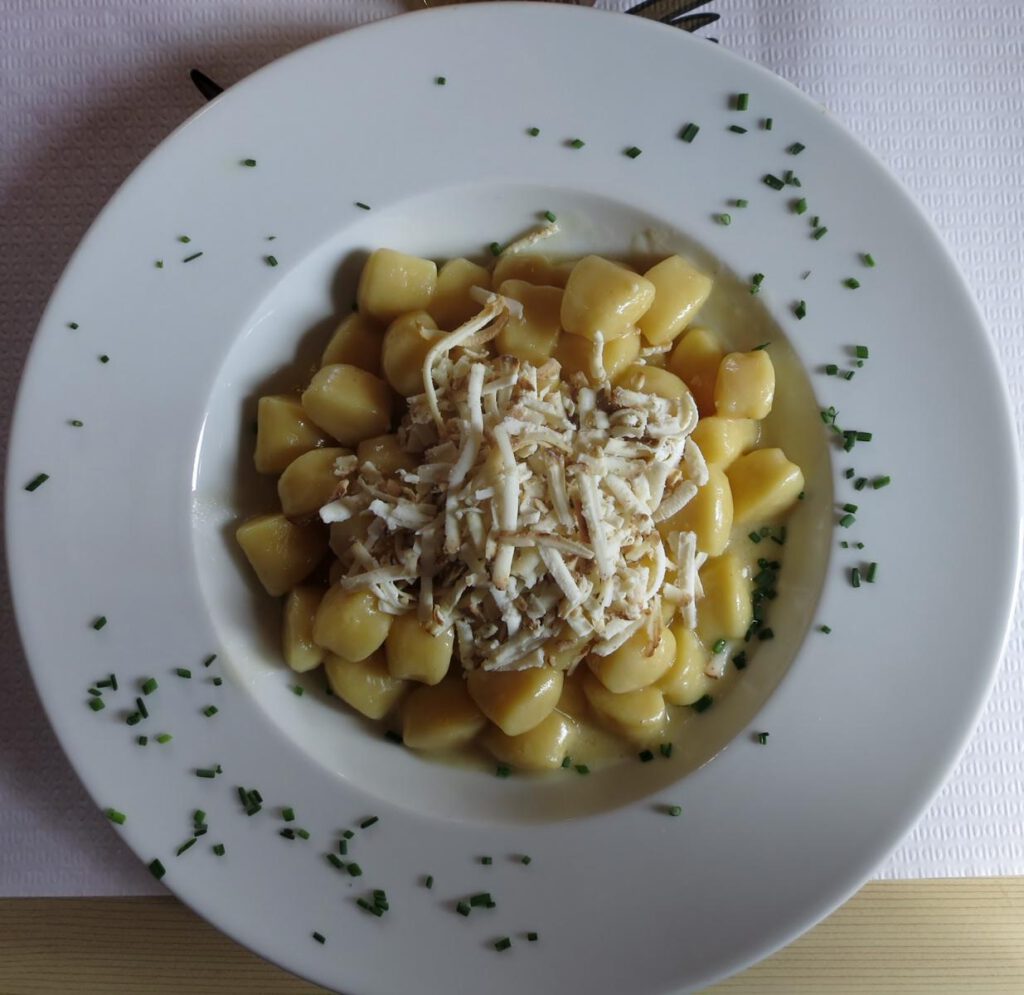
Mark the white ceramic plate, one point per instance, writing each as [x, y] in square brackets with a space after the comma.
[132, 523]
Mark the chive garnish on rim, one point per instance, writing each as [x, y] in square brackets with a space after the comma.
[689, 132]
[37, 481]
[188, 259]
[632, 152]
[249, 162]
[741, 101]
[772, 181]
[577, 143]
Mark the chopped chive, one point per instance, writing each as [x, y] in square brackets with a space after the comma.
[76, 423]
[159, 264]
[754, 536]
[303, 834]
[482, 898]
[183, 672]
[633, 152]
[368, 821]
[37, 481]
[740, 202]
[502, 770]
[141, 706]
[217, 682]
[703, 703]
[206, 772]
[815, 221]
[566, 762]
[495, 248]
[871, 573]
[533, 132]
[799, 206]
[319, 937]
[689, 133]
[765, 634]
[462, 908]
[879, 482]
[440, 80]
[343, 848]
[209, 659]
[142, 740]
[298, 690]
[582, 769]
[772, 181]
[187, 845]
[848, 473]
[851, 508]
[861, 351]
[362, 206]
[645, 756]
[723, 219]
[673, 810]
[149, 685]
[863, 436]
[739, 661]
[867, 259]
[742, 100]
[796, 148]
[855, 577]
[210, 711]
[852, 282]
[800, 310]
[99, 623]
[831, 370]
[198, 817]
[760, 346]
[188, 259]
[355, 870]
[762, 738]
[767, 124]
[367, 907]
[819, 233]
[847, 374]
[288, 814]
[577, 143]
[736, 129]
[249, 162]
[96, 704]
[860, 483]
[288, 834]
[392, 737]
[335, 861]
[846, 521]
[666, 750]
[348, 834]
[157, 869]
[428, 881]
[719, 645]
[184, 239]
[791, 179]
[486, 861]
[526, 859]
[503, 944]
[73, 325]
[550, 216]
[270, 260]
[164, 737]
[532, 937]
[219, 849]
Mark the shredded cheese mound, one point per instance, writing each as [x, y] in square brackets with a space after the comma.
[530, 524]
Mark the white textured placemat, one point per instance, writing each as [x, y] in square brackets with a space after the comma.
[87, 87]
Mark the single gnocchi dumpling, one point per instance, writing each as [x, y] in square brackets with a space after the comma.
[532, 268]
[685, 681]
[301, 652]
[350, 623]
[365, 684]
[578, 355]
[725, 611]
[452, 303]
[281, 552]
[309, 482]
[638, 715]
[283, 433]
[723, 440]
[356, 342]
[541, 748]
[680, 292]
[533, 336]
[654, 380]
[385, 452]
[349, 403]
[515, 700]
[695, 360]
[709, 515]
[414, 654]
[745, 385]
[406, 344]
[639, 661]
[764, 484]
[441, 717]
[392, 283]
[602, 297]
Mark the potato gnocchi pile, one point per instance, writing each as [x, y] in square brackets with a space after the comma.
[527, 480]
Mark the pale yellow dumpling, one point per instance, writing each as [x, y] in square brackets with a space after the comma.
[309, 482]
[284, 431]
[709, 515]
[350, 623]
[415, 654]
[685, 681]
[680, 292]
[725, 611]
[603, 297]
[515, 700]
[577, 355]
[695, 360]
[441, 717]
[654, 380]
[406, 344]
[349, 403]
[301, 652]
[452, 303]
[365, 685]
[392, 283]
[637, 715]
[541, 748]
[531, 267]
[723, 440]
[636, 663]
[764, 485]
[745, 385]
[533, 336]
[357, 342]
[385, 452]
[281, 552]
